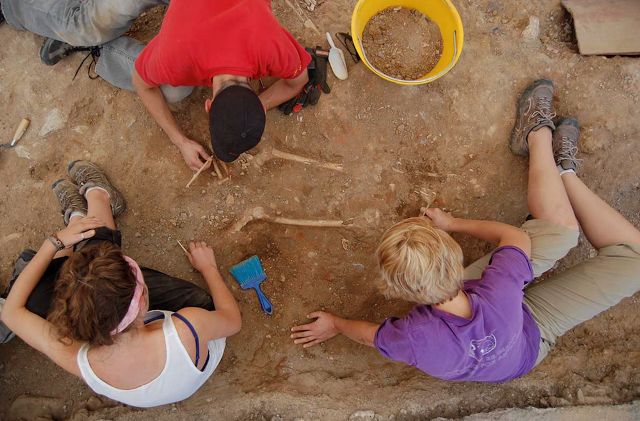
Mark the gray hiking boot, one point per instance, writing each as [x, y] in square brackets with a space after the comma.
[5, 333]
[565, 143]
[70, 200]
[534, 112]
[87, 174]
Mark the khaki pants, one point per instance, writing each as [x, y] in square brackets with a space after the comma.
[562, 302]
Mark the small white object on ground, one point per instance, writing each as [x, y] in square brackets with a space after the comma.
[336, 60]
[532, 30]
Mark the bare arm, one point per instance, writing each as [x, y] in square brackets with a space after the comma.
[225, 320]
[492, 232]
[327, 326]
[153, 99]
[283, 90]
[31, 328]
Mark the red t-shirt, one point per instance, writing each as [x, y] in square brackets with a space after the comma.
[200, 39]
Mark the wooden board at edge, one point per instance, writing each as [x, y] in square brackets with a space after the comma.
[606, 26]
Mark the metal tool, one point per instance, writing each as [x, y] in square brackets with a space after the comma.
[18, 134]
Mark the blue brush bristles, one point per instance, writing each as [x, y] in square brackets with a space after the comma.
[247, 271]
[250, 274]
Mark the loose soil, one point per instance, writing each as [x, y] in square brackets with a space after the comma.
[401, 147]
[402, 43]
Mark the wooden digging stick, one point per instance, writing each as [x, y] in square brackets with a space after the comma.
[181, 246]
[258, 213]
[198, 173]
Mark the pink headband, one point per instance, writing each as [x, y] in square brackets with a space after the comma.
[134, 307]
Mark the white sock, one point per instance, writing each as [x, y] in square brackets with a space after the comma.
[563, 171]
[92, 188]
[77, 213]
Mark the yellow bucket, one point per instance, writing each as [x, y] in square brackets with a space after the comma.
[441, 12]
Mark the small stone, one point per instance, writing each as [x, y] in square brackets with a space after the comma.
[532, 30]
[230, 200]
[55, 121]
[183, 216]
[580, 396]
[400, 128]
[312, 254]
[362, 416]
[209, 400]
[138, 235]
[544, 403]
[93, 403]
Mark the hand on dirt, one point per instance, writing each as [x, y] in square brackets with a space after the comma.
[80, 230]
[201, 256]
[194, 154]
[440, 218]
[314, 333]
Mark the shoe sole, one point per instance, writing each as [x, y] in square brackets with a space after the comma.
[521, 102]
[564, 121]
[44, 57]
[55, 183]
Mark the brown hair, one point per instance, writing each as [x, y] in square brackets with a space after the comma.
[92, 294]
[419, 262]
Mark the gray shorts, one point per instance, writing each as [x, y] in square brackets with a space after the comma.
[567, 299]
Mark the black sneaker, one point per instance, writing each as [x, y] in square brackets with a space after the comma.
[52, 51]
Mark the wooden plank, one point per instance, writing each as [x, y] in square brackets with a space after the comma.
[606, 26]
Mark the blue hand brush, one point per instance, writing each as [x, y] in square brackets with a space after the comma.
[250, 274]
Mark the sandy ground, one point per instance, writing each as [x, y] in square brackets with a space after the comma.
[400, 147]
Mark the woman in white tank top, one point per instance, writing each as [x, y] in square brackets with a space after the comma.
[101, 300]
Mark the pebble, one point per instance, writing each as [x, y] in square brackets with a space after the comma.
[580, 396]
[183, 215]
[312, 254]
[400, 128]
[532, 30]
[138, 235]
[230, 200]
[362, 415]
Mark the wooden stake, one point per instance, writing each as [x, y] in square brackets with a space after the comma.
[225, 167]
[198, 173]
[180, 244]
[215, 166]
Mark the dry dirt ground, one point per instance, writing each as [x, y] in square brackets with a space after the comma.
[400, 147]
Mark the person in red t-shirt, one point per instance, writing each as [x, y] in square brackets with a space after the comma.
[223, 44]
[218, 43]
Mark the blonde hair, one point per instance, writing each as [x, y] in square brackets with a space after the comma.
[419, 262]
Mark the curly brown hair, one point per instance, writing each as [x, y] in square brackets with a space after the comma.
[92, 294]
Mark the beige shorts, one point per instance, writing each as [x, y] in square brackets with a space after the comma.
[569, 298]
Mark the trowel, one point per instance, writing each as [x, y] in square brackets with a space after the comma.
[336, 60]
[18, 134]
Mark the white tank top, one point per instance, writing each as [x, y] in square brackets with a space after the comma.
[179, 379]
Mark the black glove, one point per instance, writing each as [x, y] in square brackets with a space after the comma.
[317, 84]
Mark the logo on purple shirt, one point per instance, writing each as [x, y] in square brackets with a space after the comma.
[481, 347]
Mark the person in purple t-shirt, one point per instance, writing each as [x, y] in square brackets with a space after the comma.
[485, 323]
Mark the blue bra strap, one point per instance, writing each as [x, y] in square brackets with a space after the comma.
[195, 335]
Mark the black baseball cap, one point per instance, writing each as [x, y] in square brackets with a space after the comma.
[236, 122]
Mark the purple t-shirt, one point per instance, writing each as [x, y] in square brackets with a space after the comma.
[500, 341]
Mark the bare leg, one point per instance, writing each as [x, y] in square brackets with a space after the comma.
[602, 225]
[547, 198]
[99, 206]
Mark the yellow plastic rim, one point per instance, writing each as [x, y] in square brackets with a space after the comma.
[442, 12]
